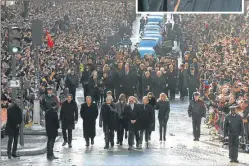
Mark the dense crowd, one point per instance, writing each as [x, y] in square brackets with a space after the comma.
[80, 30]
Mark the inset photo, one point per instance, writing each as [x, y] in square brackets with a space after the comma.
[191, 6]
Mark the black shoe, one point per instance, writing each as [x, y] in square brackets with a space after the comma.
[55, 157]
[231, 161]
[160, 139]
[130, 148]
[137, 145]
[236, 161]
[70, 145]
[121, 143]
[92, 141]
[195, 139]
[106, 147]
[50, 157]
[9, 156]
[164, 139]
[117, 142]
[15, 155]
[64, 143]
[112, 144]
[147, 145]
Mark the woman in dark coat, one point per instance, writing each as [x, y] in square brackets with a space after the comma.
[147, 83]
[68, 117]
[152, 101]
[89, 114]
[163, 107]
[52, 126]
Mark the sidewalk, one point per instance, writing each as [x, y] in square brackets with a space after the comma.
[35, 143]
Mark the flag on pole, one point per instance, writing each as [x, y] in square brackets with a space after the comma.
[50, 40]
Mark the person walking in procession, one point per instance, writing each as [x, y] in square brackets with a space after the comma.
[68, 118]
[89, 114]
[163, 107]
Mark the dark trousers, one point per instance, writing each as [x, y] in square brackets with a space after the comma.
[10, 142]
[121, 130]
[145, 132]
[50, 146]
[67, 135]
[163, 128]
[233, 142]
[85, 90]
[133, 133]
[196, 121]
[172, 92]
[73, 92]
[109, 136]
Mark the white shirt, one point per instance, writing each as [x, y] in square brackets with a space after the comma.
[132, 106]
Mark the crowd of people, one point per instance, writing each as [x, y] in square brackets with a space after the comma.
[214, 63]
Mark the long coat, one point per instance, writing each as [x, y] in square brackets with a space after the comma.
[52, 123]
[68, 115]
[152, 102]
[109, 116]
[89, 115]
[133, 115]
[146, 117]
[14, 118]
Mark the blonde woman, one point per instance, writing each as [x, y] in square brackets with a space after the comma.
[163, 107]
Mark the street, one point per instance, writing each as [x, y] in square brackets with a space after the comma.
[179, 149]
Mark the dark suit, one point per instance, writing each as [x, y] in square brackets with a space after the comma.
[52, 126]
[133, 114]
[14, 120]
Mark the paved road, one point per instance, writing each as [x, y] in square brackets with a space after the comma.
[202, 5]
[179, 149]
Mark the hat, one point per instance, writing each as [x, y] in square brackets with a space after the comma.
[196, 94]
[233, 107]
[50, 88]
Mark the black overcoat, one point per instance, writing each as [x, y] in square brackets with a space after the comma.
[69, 114]
[52, 123]
[14, 118]
[109, 117]
[89, 115]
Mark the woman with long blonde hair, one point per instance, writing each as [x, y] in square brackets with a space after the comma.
[163, 107]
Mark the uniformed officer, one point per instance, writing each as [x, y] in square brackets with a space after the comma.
[233, 131]
[196, 110]
[49, 99]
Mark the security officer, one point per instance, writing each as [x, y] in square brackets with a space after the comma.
[49, 99]
[233, 131]
[196, 110]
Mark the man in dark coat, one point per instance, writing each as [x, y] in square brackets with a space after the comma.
[146, 120]
[146, 83]
[122, 122]
[182, 85]
[68, 118]
[14, 120]
[233, 131]
[72, 82]
[158, 84]
[172, 80]
[130, 80]
[196, 110]
[89, 114]
[109, 116]
[52, 126]
[133, 117]
[193, 83]
[84, 80]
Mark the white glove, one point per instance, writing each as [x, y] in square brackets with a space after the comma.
[226, 137]
[240, 137]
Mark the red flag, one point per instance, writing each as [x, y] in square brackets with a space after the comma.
[50, 41]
